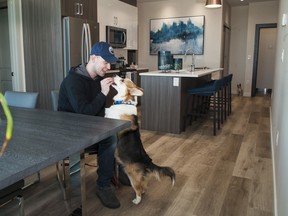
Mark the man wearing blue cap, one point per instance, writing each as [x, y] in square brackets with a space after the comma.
[84, 91]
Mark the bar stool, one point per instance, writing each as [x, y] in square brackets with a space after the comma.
[206, 91]
[226, 98]
[229, 92]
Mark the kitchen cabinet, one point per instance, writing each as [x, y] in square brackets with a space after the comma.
[84, 9]
[132, 35]
[163, 105]
[120, 15]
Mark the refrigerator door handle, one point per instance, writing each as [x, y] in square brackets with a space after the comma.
[89, 45]
[82, 44]
[85, 42]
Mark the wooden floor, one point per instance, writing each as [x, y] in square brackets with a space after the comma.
[229, 174]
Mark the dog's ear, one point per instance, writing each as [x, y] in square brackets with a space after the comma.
[136, 91]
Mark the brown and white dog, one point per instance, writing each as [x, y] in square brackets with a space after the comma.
[130, 153]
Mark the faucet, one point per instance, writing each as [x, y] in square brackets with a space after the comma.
[193, 59]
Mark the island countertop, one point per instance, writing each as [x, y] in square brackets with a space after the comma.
[182, 73]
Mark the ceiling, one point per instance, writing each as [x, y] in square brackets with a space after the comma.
[231, 2]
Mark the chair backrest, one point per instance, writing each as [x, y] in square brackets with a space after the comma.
[218, 84]
[228, 78]
[21, 99]
[55, 96]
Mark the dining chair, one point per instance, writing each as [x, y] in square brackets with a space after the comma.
[54, 97]
[21, 99]
[11, 192]
[73, 160]
[24, 100]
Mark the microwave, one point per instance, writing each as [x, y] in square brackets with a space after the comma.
[116, 37]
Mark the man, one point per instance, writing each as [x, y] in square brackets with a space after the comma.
[84, 91]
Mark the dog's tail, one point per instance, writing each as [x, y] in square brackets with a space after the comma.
[159, 172]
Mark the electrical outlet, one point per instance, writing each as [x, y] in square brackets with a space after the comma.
[175, 81]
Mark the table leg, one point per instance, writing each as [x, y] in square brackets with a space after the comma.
[83, 183]
[63, 175]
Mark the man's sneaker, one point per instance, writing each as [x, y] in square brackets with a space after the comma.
[107, 197]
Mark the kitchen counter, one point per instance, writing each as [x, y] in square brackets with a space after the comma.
[128, 69]
[183, 73]
[163, 105]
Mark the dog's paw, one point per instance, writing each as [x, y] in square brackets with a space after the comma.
[137, 200]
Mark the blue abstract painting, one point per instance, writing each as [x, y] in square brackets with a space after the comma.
[177, 35]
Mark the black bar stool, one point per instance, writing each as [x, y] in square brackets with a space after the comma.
[205, 92]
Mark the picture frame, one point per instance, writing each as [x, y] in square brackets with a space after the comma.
[177, 35]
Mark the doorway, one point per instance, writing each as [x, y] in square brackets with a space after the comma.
[5, 58]
[225, 50]
[264, 58]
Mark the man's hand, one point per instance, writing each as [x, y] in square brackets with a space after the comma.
[105, 85]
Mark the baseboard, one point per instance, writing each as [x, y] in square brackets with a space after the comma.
[273, 165]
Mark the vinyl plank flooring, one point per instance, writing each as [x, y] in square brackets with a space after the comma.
[223, 175]
[262, 187]
[212, 198]
[263, 147]
[237, 197]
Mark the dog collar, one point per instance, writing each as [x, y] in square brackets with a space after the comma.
[123, 102]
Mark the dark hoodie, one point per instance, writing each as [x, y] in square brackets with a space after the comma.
[79, 93]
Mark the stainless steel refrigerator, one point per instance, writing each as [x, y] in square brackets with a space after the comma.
[78, 37]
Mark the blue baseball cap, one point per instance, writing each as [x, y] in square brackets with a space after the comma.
[104, 50]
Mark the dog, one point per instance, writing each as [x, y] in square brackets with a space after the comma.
[239, 90]
[130, 153]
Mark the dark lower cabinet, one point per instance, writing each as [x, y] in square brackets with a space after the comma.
[163, 105]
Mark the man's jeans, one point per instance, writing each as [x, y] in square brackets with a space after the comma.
[106, 162]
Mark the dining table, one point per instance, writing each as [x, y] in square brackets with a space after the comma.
[42, 138]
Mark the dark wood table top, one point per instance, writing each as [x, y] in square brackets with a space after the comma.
[42, 137]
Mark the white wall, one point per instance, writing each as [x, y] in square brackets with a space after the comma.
[180, 8]
[237, 63]
[280, 117]
[244, 20]
[259, 13]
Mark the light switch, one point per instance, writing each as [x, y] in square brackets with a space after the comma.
[175, 81]
[284, 20]
[282, 56]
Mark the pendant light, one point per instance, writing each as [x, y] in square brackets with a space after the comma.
[213, 4]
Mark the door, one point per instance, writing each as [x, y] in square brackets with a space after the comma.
[5, 61]
[264, 58]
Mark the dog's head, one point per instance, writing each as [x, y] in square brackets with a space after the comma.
[126, 90]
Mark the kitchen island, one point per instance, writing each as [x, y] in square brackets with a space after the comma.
[164, 101]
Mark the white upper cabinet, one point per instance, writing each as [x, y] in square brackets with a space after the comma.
[118, 14]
